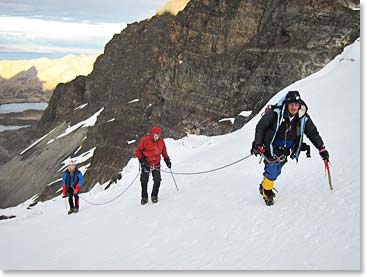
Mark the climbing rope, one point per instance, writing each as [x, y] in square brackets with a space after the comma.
[177, 173]
[125, 190]
[207, 171]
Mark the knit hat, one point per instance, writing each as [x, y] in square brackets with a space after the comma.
[292, 96]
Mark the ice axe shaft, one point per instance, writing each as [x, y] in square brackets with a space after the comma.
[327, 167]
[173, 177]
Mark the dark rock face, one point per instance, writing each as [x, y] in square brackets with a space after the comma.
[213, 60]
[12, 142]
[2, 217]
[36, 172]
[236, 54]
[63, 102]
[23, 87]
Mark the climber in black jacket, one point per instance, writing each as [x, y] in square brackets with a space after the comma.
[279, 135]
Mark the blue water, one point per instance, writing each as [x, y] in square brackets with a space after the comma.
[3, 128]
[20, 107]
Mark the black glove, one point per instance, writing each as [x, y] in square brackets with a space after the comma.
[257, 149]
[307, 148]
[143, 163]
[324, 154]
[168, 162]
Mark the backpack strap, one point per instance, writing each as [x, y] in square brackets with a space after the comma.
[279, 110]
[303, 124]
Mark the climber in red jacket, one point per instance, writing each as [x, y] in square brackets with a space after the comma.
[149, 153]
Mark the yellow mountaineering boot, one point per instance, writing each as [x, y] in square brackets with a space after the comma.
[266, 190]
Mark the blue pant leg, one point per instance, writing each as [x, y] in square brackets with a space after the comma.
[272, 170]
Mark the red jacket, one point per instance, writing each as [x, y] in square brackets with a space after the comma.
[152, 150]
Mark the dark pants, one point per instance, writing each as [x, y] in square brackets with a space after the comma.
[71, 196]
[144, 178]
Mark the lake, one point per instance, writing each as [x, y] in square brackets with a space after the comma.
[3, 128]
[21, 107]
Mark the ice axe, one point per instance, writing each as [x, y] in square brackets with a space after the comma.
[173, 179]
[327, 169]
[66, 205]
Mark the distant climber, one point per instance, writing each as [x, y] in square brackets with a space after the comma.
[149, 153]
[279, 135]
[72, 181]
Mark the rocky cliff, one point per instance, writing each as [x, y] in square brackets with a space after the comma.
[211, 61]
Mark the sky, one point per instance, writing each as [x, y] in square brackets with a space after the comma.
[53, 28]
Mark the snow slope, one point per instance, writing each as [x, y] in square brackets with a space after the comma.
[217, 220]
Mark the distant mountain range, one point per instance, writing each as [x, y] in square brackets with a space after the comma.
[173, 7]
[34, 80]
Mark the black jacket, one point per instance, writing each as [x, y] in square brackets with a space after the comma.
[277, 137]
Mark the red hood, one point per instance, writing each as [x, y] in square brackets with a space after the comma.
[156, 130]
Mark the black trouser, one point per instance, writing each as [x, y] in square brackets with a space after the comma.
[144, 178]
[71, 196]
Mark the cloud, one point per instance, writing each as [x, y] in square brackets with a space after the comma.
[31, 28]
[28, 34]
[15, 7]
